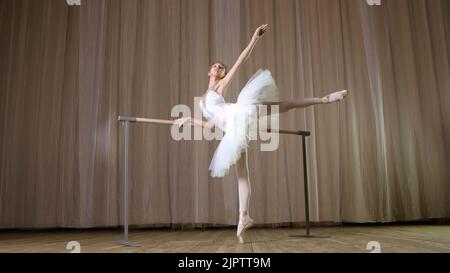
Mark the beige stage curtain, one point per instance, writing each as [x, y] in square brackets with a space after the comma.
[67, 72]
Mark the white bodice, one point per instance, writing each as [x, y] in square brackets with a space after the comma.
[214, 108]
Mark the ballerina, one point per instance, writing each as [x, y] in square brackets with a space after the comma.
[233, 119]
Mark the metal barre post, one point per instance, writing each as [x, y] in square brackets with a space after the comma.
[125, 121]
[306, 194]
[305, 179]
[125, 191]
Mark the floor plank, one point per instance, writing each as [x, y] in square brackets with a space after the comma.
[401, 238]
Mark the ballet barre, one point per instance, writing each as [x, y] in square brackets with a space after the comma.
[125, 120]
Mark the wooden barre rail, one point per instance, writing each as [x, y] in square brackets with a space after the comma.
[171, 122]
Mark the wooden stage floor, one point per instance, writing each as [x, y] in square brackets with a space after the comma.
[396, 238]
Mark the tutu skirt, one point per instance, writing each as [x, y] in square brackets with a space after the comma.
[240, 121]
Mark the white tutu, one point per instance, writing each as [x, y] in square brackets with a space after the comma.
[238, 120]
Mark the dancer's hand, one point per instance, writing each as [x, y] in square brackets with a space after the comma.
[260, 31]
[181, 121]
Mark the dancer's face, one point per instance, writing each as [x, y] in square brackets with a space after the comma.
[218, 70]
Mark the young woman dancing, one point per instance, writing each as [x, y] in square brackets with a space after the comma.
[234, 119]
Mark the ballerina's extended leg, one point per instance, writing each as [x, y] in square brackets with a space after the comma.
[288, 105]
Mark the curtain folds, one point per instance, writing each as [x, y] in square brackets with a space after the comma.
[67, 72]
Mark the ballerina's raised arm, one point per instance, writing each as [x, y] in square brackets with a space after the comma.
[225, 82]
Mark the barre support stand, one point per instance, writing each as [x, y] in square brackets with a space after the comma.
[125, 122]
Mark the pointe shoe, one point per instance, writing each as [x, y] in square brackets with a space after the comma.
[336, 96]
[243, 225]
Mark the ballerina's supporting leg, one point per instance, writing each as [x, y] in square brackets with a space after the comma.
[244, 186]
